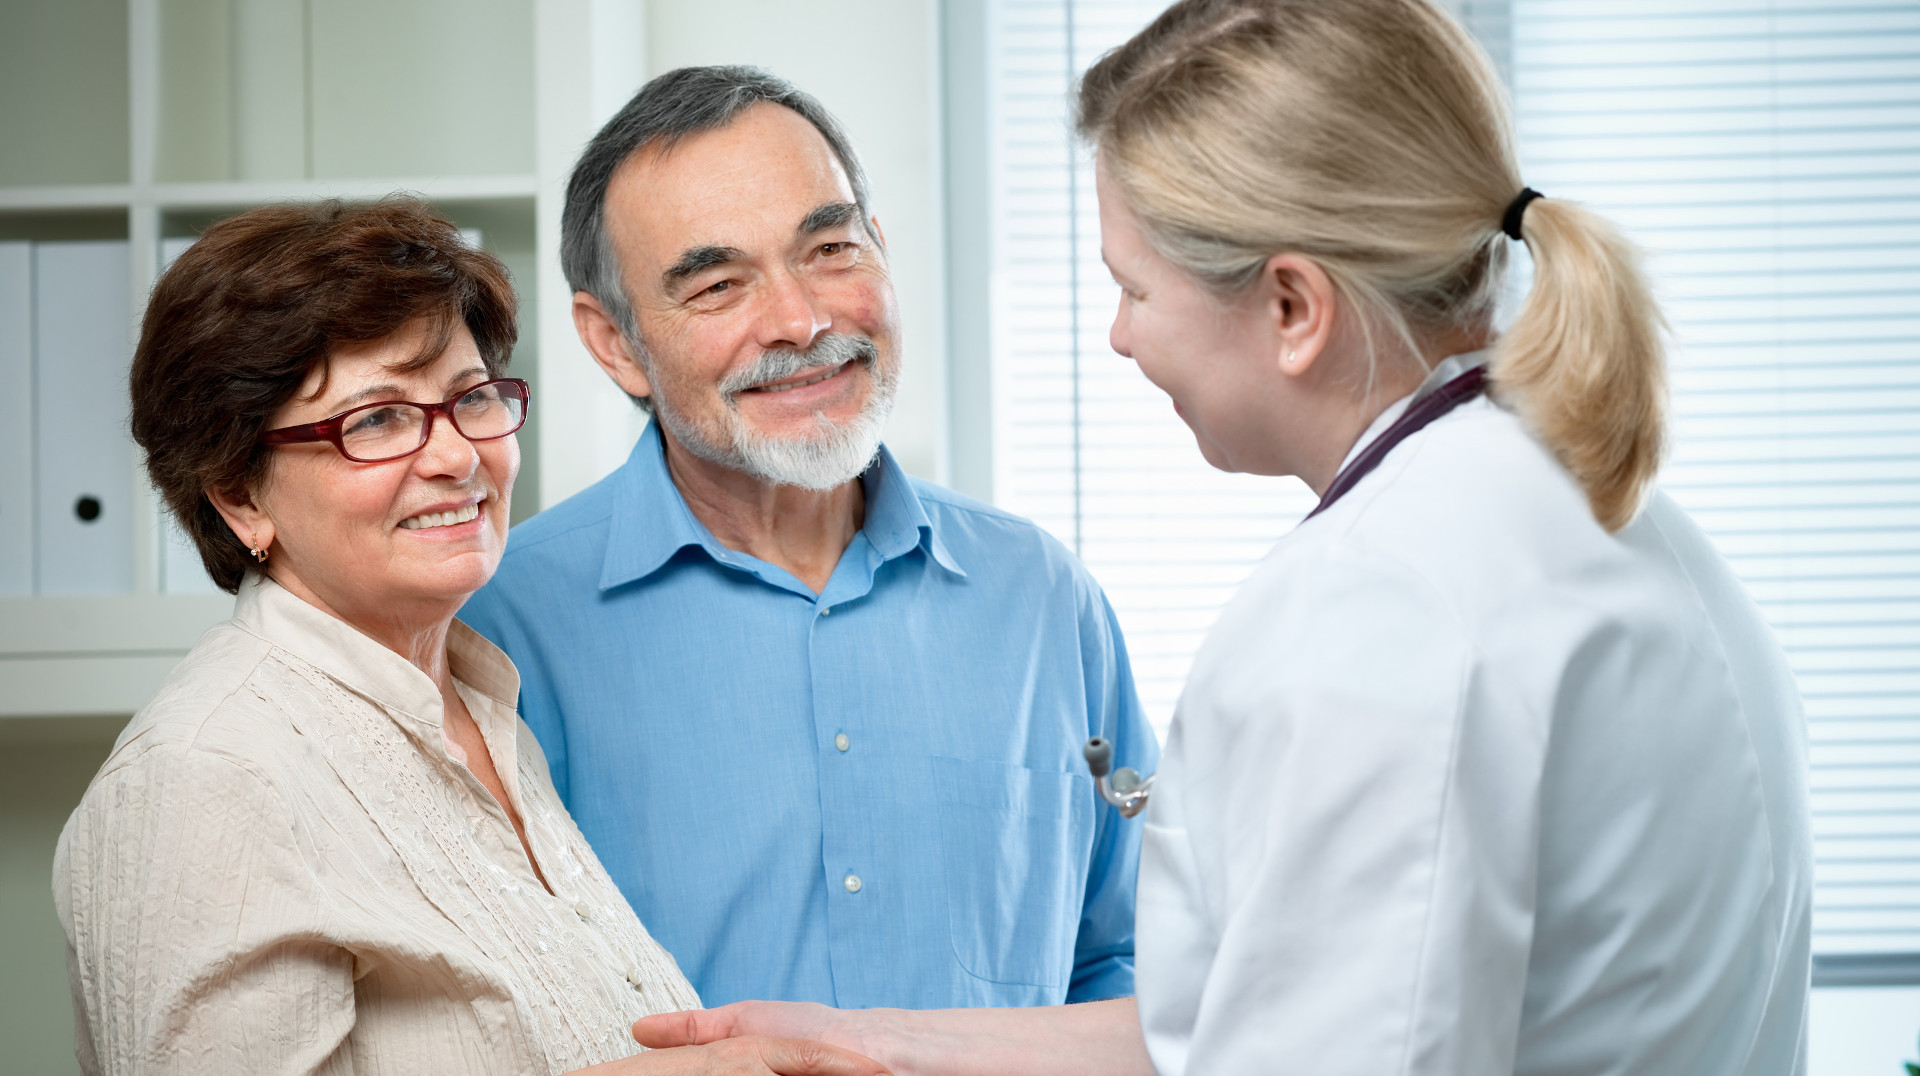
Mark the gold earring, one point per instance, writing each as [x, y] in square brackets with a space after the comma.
[259, 555]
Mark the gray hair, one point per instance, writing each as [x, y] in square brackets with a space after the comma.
[682, 102]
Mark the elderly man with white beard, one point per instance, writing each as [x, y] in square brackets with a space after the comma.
[820, 720]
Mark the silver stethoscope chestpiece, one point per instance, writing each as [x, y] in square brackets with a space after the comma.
[1125, 789]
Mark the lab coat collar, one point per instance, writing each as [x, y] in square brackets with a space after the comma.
[1443, 371]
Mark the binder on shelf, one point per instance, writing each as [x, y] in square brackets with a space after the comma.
[16, 419]
[83, 458]
[180, 569]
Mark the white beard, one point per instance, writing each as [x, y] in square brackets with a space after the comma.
[831, 456]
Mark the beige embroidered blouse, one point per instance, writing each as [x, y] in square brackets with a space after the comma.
[280, 869]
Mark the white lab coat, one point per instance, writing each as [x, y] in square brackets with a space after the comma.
[1463, 784]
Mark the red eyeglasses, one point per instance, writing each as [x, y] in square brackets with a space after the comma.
[378, 432]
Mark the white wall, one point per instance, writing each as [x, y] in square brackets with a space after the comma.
[588, 56]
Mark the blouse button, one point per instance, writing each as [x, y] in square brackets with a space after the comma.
[842, 742]
[633, 976]
[582, 909]
[852, 883]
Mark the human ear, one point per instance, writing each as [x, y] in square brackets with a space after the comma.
[1299, 301]
[608, 345]
[246, 516]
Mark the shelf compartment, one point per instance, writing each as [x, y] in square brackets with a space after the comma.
[63, 76]
[53, 224]
[284, 89]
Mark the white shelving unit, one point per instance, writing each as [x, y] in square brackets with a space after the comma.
[479, 105]
[147, 120]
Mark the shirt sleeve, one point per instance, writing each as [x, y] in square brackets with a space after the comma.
[1354, 843]
[1103, 949]
[190, 917]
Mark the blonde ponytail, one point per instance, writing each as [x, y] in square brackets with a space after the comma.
[1583, 363]
[1372, 136]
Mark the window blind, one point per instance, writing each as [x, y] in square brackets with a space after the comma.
[1083, 444]
[1768, 156]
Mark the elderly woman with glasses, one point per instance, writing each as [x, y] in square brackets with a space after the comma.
[328, 844]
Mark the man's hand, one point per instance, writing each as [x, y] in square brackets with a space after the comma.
[751, 1055]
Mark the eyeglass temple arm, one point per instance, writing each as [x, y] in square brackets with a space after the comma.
[295, 435]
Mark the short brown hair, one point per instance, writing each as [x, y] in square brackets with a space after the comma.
[238, 323]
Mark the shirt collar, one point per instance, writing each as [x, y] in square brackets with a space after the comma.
[651, 521]
[897, 521]
[1443, 371]
[338, 649]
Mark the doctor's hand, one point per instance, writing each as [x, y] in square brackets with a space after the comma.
[745, 1056]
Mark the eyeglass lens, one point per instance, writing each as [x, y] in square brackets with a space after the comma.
[386, 430]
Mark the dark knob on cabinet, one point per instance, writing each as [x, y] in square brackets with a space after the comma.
[87, 508]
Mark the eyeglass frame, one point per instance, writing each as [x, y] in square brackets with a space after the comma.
[328, 430]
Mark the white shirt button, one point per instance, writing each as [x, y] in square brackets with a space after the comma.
[852, 883]
[825, 609]
[582, 909]
[842, 742]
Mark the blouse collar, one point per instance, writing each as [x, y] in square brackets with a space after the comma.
[268, 610]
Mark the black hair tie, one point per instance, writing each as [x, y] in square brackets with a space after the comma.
[1510, 220]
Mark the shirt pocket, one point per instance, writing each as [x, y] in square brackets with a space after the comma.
[1016, 843]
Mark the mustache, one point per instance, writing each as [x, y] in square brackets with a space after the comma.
[832, 349]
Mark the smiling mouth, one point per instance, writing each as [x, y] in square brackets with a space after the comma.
[831, 371]
[448, 518]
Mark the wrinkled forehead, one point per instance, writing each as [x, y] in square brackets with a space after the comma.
[747, 185]
[421, 362]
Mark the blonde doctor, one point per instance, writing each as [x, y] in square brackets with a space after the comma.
[1491, 766]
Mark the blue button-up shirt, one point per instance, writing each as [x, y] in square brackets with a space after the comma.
[869, 796]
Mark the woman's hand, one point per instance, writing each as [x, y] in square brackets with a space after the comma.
[750, 1055]
[768, 1019]
[1097, 1038]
